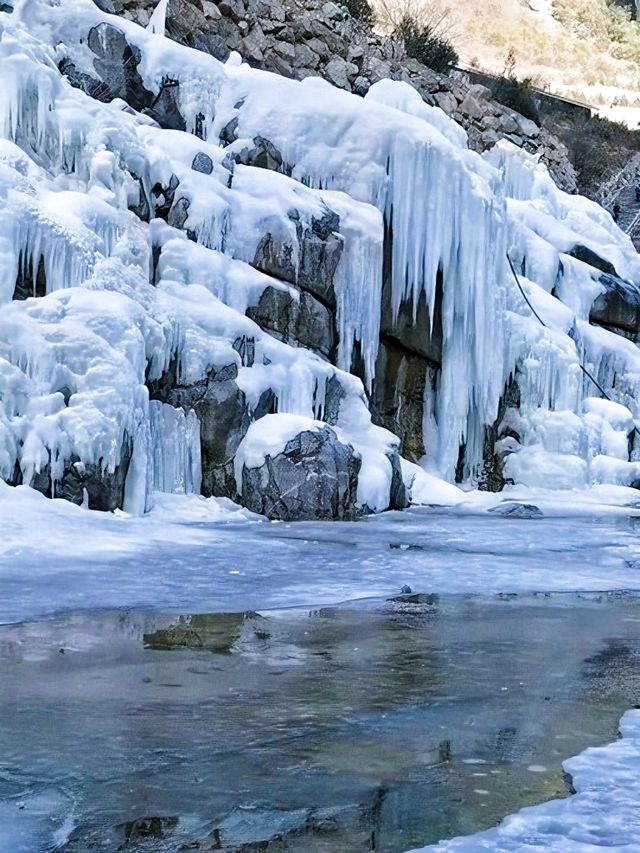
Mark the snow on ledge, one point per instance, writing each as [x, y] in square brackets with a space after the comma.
[603, 814]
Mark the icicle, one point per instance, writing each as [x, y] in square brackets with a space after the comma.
[175, 450]
[157, 22]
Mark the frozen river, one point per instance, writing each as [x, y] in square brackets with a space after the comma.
[196, 556]
[239, 685]
[356, 728]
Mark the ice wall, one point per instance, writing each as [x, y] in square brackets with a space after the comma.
[131, 291]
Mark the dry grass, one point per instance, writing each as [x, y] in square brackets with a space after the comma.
[559, 55]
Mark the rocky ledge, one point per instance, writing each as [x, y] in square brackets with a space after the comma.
[316, 38]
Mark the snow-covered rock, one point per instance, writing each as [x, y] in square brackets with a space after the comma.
[296, 468]
[291, 467]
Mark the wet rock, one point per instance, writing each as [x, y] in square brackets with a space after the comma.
[517, 510]
[321, 247]
[249, 829]
[165, 107]
[213, 632]
[224, 417]
[399, 394]
[275, 257]
[116, 65]
[334, 395]
[162, 201]
[138, 836]
[309, 261]
[229, 132]
[179, 213]
[30, 281]
[501, 439]
[314, 477]
[149, 827]
[398, 496]
[413, 328]
[588, 256]
[415, 602]
[84, 482]
[263, 154]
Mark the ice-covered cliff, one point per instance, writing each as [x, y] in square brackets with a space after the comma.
[217, 279]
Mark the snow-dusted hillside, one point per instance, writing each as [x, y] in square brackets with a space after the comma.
[189, 247]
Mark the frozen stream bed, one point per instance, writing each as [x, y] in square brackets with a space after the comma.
[192, 677]
[351, 728]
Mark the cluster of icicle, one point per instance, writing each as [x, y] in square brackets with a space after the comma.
[71, 167]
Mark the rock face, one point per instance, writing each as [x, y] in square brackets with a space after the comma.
[315, 476]
[224, 418]
[313, 266]
[82, 483]
[322, 39]
[116, 69]
[296, 319]
[399, 393]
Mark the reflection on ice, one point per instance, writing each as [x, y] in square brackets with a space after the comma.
[359, 727]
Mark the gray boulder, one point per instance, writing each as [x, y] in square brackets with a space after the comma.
[314, 477]
[116, 65]
[261, 153]
[202, 163]
[618, 307]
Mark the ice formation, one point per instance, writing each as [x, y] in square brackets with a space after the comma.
[136, 262]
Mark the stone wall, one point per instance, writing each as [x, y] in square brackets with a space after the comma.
[300, 39]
